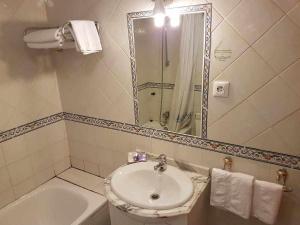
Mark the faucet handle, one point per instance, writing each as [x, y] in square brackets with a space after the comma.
[162, 157]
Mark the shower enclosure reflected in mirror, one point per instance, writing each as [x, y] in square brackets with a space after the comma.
[170, 69]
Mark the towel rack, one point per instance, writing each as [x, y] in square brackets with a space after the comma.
[227, 163]
[65, 32]
[282, 175]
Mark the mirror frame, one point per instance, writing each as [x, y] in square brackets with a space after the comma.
[201, 8]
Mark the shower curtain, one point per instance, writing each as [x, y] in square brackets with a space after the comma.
[191, 46]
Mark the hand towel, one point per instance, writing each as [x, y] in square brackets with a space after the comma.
[86, 36]
[239, 199]
[266, 201]
[45, 35]
[220, 184]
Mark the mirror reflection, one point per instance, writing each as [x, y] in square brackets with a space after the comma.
[169, 65]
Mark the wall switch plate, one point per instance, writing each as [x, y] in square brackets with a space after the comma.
[221, 89]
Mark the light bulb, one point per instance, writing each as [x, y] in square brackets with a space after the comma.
[159, 20]
[159, 13]
[174, 20]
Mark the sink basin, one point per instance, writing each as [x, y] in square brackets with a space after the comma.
[139, 185]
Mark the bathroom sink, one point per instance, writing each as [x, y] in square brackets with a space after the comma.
[140, 185]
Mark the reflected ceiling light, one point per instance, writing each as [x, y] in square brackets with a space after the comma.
[174, 20]
[159, 13]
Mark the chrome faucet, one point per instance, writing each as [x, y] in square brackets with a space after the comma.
[162, 163]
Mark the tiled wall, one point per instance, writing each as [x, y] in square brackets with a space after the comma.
[28, 83]
[28, 91]
[263, 79]
[101, 150]
[263, 109]
[262, 66]
[31, 159]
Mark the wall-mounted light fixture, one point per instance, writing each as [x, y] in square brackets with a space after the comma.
[159, 14]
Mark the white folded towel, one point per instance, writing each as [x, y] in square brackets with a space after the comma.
[266, 201]
[45, 45]
[232, 192]
[52, 45]
[45, 35]
[239, 199]
[86, 36]
[220, 180]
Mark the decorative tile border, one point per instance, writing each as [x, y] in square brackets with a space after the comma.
[163, 85]
[202, 8]
[265, 156]
[28, 127]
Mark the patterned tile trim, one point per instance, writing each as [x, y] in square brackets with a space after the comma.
[28, 127]
[203, 8]
[276, 158]
[164, 86]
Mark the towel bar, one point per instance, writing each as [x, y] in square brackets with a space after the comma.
[282, 175]
[227, 163]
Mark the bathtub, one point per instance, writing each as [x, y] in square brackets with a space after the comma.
[57, 202]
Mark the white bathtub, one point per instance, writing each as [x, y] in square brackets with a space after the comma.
[57, 202]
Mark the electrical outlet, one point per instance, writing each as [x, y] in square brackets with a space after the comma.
[221, 89]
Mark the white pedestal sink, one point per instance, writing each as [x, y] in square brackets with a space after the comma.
[141, 186]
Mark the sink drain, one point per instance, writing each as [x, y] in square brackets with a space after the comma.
[154, 196]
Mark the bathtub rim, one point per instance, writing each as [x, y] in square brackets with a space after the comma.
[95, 200]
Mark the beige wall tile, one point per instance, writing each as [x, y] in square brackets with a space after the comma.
[275, 101]
[91, 168]
[77, 163]
[243, 82]
[163, 147]
[59, 150]
[20, 170]
[216, 19]
[43, 176]
[238, 126]
[24, 187]
[281, 38]
[4, 179]
[288, 129]
[294, 14]
[269, 140]
[291, 76]
[188, 154]
[62, 165]
[106, 163]
[225, 38]
[286, 5]
[224, 7]
[251, 18]
[259, 170]
[41, 160]
[6, 197]
[14, 149]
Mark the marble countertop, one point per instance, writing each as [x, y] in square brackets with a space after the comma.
[199, 181]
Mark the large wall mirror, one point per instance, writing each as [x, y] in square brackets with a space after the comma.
[170, 68]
